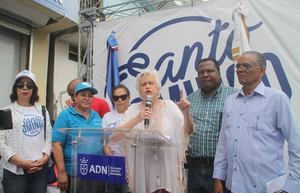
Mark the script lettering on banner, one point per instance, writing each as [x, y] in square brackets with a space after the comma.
[168, 67]
[173, 42]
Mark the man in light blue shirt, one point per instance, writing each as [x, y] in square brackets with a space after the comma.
[256, 122]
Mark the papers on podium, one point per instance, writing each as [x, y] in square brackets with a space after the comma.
[276, 184]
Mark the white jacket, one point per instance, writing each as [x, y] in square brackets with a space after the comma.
[11, 140]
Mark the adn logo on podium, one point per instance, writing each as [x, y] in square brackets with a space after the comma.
[102, 168]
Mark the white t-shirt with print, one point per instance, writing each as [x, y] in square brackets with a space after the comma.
[112, 120]
[33, 134]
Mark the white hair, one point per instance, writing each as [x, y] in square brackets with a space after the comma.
[147, 72]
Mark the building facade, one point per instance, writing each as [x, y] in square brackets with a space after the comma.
[26, 27]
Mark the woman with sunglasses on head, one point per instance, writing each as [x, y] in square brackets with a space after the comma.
[121, 97]
[25, 149]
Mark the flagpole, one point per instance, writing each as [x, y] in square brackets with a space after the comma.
[241, 39]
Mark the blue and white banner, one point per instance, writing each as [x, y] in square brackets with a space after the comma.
[103, 168]
[173, 41]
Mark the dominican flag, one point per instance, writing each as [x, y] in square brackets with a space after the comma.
[112, 76]
[241, 39]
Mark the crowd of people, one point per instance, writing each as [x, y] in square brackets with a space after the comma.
[229, 140]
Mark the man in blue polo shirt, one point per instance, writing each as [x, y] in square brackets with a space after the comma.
[81, 119]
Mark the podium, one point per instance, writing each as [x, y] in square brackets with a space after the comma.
[141, 160]
[148, 156]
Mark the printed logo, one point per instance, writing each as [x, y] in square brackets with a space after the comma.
[102, 168]
[32, 125]
[84, 167]
[114, 125]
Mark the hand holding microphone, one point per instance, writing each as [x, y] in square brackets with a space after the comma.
[148, 111]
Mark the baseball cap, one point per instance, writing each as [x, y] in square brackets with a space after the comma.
[85, 86]
[26, 73]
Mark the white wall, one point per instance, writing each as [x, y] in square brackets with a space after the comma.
[9, 63]
[64, 71]
[71, 10]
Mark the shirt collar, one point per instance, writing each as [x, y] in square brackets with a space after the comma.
[73, 111]
[260, 90]
[215, 92]
[19, 109]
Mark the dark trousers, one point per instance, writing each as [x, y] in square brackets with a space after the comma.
[200, 172]
[26, 183]
[200, 179]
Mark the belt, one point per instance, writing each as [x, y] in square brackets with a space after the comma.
[201, 161]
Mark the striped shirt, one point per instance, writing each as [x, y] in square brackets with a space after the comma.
[206, 112]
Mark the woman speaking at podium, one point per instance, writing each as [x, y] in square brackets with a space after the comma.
[162, 171]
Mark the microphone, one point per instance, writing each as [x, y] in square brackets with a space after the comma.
[148, 103]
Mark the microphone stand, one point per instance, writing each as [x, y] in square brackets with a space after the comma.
[138, 137]
[135, 146]
[75, 142]
[137, 141]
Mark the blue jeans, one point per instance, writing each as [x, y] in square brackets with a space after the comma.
[26, 183]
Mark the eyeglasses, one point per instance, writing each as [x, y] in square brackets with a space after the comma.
[245, 66]
[122, 97]
[29, 85]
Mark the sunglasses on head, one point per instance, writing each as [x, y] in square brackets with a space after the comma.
[122, 97]
[29, 85]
